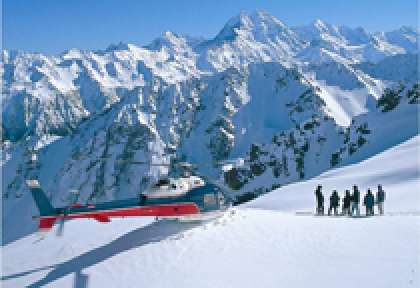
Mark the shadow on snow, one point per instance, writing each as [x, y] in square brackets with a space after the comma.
[154, 232]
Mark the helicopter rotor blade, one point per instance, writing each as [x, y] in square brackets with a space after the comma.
[185, 165]
[142, 163]
[60, 229]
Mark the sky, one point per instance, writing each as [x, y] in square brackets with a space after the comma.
[53, 26]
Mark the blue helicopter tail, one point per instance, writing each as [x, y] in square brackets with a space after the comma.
[44, 205]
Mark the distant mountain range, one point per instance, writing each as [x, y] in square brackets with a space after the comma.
[289, 103]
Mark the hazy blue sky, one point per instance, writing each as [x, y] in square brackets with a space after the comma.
[52, 26]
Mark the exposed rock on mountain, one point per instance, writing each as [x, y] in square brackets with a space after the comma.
[291, 102]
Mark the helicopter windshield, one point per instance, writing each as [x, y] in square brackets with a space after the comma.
[162, 182]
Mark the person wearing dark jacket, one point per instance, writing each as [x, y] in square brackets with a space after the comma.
[346, 203]
[369, 201]
[355, 200]
[380, 199]
[334, 203]
[319, 201]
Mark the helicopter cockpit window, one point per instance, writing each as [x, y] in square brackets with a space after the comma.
[162, 182]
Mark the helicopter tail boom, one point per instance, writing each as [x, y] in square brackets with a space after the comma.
[43, 204]
[46, 222]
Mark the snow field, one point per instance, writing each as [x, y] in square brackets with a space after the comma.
[260, 244]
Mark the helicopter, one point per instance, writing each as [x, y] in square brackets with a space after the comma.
[186, 198]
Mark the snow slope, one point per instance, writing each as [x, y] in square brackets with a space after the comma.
[260, 244]
[397, 169]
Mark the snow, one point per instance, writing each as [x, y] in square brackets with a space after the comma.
[343, 105]
[355, 45]
[260, 244]
[397, 169]
[209, 100]
[400, 67]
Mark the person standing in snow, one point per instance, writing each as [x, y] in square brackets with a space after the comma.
[319, 201]
[355, 200]
[369, 201]
[380, 199]
[334, 203]
[346, 203]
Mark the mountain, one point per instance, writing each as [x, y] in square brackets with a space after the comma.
[319, 144]
[246, 38]
[327, 42]
[287, 103]
[402, 67]
[261, 243]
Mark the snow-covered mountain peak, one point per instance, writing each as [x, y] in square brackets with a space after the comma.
[179, 48]
[319, 32]
[355, 36]
[407, 31]
[257, 24]
[355, 45]
[405, 37]
[168, 38]
[247, 38]
[116, 47]
[322, 26]
[73, 53]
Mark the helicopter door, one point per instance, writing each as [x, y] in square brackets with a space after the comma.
[210, 202]
[206, 199]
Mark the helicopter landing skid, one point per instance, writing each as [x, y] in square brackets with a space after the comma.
[195, 217]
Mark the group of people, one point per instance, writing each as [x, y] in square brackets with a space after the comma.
[351, 202]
